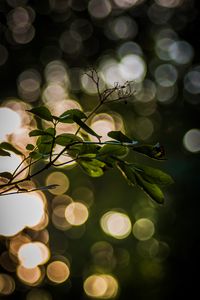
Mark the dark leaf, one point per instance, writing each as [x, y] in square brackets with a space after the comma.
[114, 150]
[127, 172]
[7, 175]
[4, 153]
[155, 151]
[85, 127]
[68, 116]
[9, 147]
[151, 189]
[119, 136]
[35, 155]
[67, 138]
[154, 175]
[92, 167]
[30, 147]
[42, 112]
[38, 132]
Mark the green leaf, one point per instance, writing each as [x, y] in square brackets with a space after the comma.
[119, 136]
[67, 138]
[92, 167]
[151, 189]
[10, 147]
[7, 175]
[4, 153]
[68, 116]
[85, 127]
[154, 175]
[42, 112]
[38, 132]
[35, 155]
[155, 151]
[30, 147]
[114, 150]
[127, 172]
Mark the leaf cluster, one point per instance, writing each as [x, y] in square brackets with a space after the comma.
[94, 158]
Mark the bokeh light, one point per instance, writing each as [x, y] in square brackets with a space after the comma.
[166, 75]
[181, 52]
[116, 224]
[192, 81]
[57, 271]
[7, 127]
[143, 229]
[99, 9]
[7, 284]
[61, 180]
[169, 3]
[102, 124]
[30, 277]
[33, 254]
[20, 211]
[76, 213]
[29, 85]
[102, 286]
[132, 67]
[191, 140]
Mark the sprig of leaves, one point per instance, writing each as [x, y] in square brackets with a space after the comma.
[94, 158]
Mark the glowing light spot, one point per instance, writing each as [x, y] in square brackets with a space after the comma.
[192, 81]
[33, 254]
[55, 72]
[89, 86]
[58, 178]
[143, 229]
[191, 140]
[36, 294]
[103, 257]
[163, 48]
[7, 127]
[54, 92]
[29, 276]
[121, 28]
[127, 3]
[181, 52]
[17, 241]
[58, 271]
[147, 92]
[169, 3]
[166, 75]
[25, 37]
[29, 85]
[19, 211]
[102, 124]
[76, 213]
[166, 95]
[99, 9]
[70, 42]
[101, 286]
[7, 284]
[129, 47]
[116, 224]
[132, 67]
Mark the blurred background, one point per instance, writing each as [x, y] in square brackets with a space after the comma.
[99, 238]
